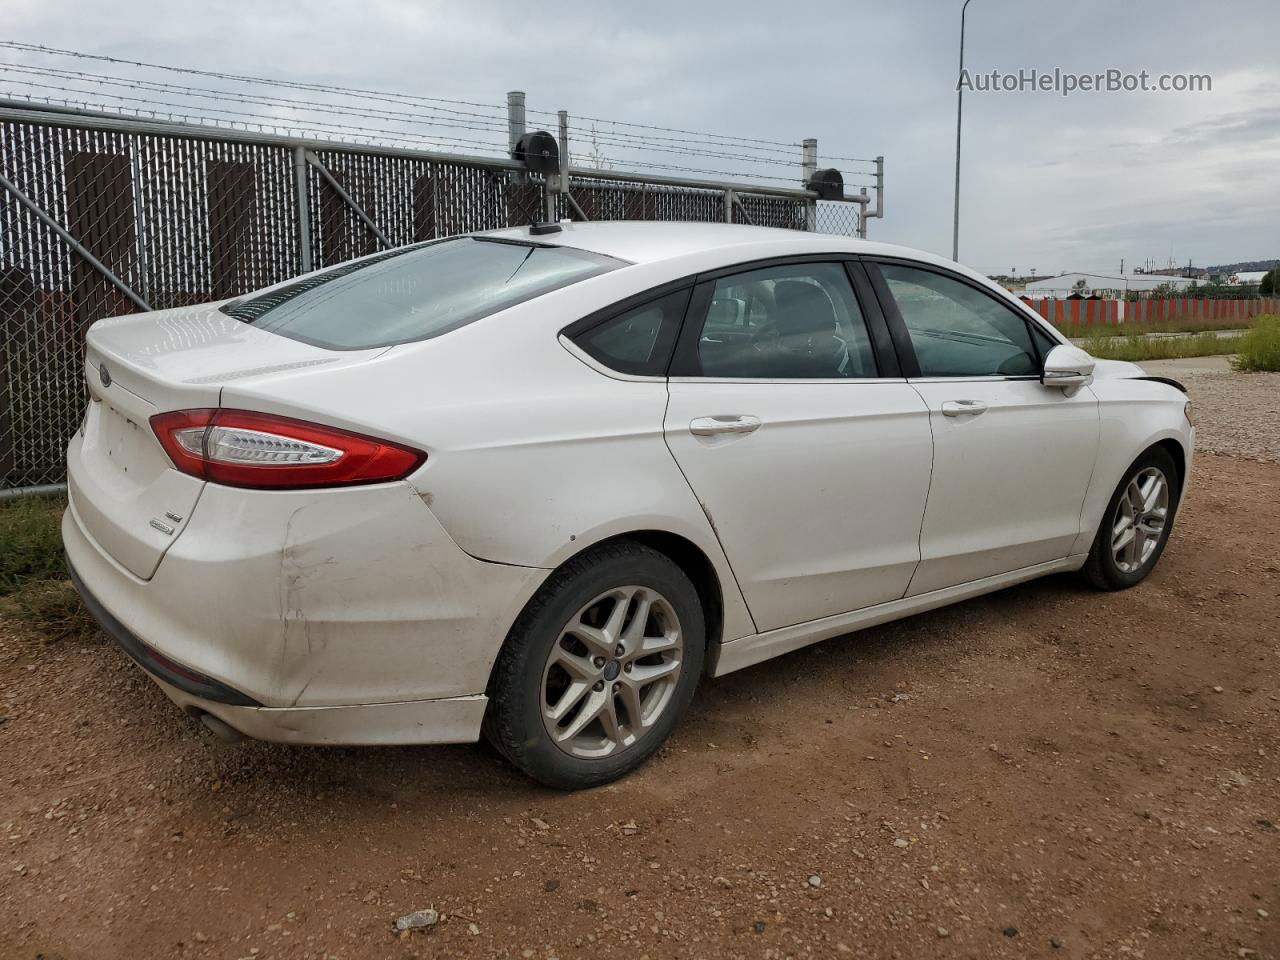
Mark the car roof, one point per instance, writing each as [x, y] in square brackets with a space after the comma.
[655, 241]
[650, 241]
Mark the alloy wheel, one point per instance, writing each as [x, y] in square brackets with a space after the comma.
[1140, 518]
[612, 672]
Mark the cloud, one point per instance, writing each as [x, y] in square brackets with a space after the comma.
[1047, 182]
[1243, 127]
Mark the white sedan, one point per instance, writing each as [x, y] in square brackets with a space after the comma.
[538, 483]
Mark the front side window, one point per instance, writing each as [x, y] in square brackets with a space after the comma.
[795, 321]
[958, 331]
[415, 292]
[1044, 342]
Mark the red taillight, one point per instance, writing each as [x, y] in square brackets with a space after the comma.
[239, 448]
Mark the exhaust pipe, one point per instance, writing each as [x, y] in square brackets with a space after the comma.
[221, 729]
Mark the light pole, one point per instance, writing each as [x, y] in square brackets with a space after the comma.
[955, 223]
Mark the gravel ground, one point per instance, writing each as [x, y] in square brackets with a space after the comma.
[1044, 772]
[1237, 414]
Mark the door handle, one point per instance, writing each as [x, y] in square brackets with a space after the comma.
[963, 408]
[714, 426]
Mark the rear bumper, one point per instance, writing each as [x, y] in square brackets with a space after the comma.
[312, 617]
[451, 720]
[173, 675]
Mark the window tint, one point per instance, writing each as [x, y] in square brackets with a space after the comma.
[797, 321]
[415, 292]
[638, 341]
[958, 331]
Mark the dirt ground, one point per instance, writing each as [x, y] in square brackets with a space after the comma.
[1070, 774]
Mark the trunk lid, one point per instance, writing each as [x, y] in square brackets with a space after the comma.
[123, 489]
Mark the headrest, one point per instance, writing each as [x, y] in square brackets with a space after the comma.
[803, 308]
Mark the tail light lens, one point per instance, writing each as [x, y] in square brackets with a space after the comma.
[239, 448]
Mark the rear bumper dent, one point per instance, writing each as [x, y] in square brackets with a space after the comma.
[448, 720]
[175, 675]
[285, 600]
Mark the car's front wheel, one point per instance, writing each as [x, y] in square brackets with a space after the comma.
[598, 668]
[1137, 523]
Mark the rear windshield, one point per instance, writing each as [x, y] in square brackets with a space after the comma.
[415, 292]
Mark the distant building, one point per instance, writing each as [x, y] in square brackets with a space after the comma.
[1109, 285]
[1248, 276]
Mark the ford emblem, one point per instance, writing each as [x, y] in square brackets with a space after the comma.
[104, 375]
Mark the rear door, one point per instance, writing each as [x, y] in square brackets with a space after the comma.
[807, 449]
[1012, 457]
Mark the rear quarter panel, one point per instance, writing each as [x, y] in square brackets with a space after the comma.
[533, 455]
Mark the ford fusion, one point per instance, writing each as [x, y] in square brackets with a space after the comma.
[537, 484]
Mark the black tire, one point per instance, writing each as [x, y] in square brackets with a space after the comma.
[1102, 569]
[514, 721]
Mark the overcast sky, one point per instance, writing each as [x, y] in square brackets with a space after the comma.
[1050, 183]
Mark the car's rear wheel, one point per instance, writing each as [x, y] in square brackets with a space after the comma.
[1137, 523]
[598, 668]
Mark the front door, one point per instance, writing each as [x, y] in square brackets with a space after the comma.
[812, 468]
[1012, 457]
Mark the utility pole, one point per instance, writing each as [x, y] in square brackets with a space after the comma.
[955, 223]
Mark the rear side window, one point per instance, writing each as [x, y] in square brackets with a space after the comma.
[415, 292]
[638, 341]
[796, 321]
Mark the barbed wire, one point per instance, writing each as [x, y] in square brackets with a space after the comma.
[189, 90]
[410, 116]
[220, 95]
[677, 130]
[301, 128]
[72, 96]
[493, 112]
[248, 120]
[620, 139]
[242, 78]
[336, 88]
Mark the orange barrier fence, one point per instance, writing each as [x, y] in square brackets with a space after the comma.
[1088, 313]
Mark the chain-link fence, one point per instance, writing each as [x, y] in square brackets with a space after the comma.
[841, 218]
[104, 217]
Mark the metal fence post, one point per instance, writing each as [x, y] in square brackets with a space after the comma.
[515, 125]
[808, 167]
[563, 117]
[139, 221]
[878, 212]
[435, 202]
[879, 188]
[304, 208]
[728, 206]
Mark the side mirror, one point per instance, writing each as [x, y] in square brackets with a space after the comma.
[1067, 366]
